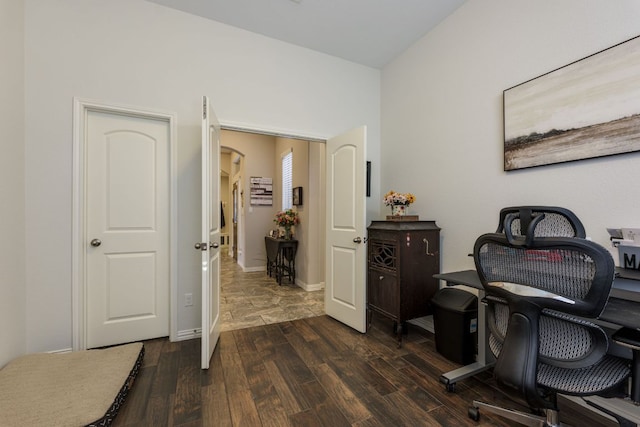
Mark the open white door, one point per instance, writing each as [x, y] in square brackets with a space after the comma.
[345, 287]
[210, 242]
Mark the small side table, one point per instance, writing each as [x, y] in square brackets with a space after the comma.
[281, 258]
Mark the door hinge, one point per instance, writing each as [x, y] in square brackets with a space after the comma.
[204, 108]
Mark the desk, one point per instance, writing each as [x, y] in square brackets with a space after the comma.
[622, 309]
[281, 258]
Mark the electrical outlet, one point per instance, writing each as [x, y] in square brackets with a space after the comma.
[188, 300]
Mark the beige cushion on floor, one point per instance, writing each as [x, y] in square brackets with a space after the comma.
[68, 389]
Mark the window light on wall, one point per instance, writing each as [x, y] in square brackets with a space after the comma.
[287, 178]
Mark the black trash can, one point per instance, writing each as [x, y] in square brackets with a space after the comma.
[455, 323]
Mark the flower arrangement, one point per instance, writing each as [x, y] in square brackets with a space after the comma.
[287, 218]
[392, 198]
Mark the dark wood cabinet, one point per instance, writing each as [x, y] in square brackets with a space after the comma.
[403, 256]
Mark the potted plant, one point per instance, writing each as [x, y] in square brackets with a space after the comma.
[399, 202]
[287, 219]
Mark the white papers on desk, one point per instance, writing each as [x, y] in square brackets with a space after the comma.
[625, 236]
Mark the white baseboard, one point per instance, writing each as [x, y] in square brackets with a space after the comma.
[61, 351]
[310, 286]
[189, 334]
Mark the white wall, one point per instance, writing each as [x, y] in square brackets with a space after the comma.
[137, 53]
[12, 168]
[442, 119]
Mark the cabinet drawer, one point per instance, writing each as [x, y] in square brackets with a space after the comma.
[383, 293]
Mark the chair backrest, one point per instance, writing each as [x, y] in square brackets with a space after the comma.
[557, 221]
[577, 274]
[562, 276]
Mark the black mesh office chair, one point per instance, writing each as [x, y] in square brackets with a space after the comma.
[555, 222]
[545, 282]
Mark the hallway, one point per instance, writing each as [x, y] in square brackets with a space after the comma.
[255, 299]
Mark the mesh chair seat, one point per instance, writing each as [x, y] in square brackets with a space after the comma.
[604, 376]
[562, 338]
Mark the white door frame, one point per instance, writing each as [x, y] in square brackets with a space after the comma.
[244, 127]
[81, 108]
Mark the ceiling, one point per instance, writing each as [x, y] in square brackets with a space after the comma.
[368, 32]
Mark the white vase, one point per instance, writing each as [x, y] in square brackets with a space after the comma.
[399, 210]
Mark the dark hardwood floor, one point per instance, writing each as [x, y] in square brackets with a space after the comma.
[310, 372]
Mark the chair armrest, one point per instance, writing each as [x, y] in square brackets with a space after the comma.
[516, 365]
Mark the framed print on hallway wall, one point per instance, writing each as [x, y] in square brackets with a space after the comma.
[296, 194]
[585, 109]
[261, 191]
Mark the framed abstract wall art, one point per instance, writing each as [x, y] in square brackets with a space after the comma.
[589, 108]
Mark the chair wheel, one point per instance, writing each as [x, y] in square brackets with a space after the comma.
[474, 413]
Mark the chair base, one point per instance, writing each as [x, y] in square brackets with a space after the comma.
[551, 420]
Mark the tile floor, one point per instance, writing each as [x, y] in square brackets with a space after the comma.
[254, 299]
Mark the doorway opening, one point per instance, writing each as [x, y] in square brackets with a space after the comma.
[249, 297]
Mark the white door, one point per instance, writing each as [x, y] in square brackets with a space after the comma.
[210, 242]
[128, 203]
[345, 287]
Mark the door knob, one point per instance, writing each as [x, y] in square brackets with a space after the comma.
[357, 240]
[214, 245]
[96, 242]
[201, 246]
